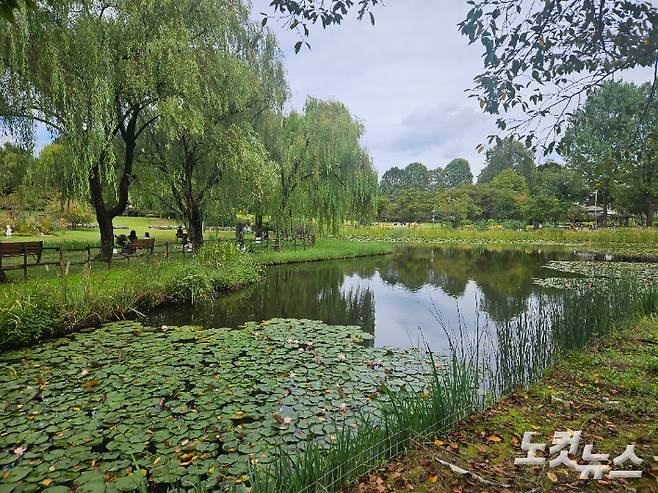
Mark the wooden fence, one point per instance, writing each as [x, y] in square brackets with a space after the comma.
[63, 258]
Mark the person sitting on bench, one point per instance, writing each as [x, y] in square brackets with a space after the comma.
[132, 236]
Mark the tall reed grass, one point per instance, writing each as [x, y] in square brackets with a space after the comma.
[482, 367]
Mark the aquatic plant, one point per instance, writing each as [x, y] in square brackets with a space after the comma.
[186, 405]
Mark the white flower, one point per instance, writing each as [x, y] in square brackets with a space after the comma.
[289, 341]
[164, 328]
[256, 333]
[295, 341]
[19, 451]
[437, 364]
[309, 343]
[287, 420]
[292, 375]
[343, 407]
[301, 350]
[84, 373]
[341, 357]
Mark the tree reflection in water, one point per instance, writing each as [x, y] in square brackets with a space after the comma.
[397, 297]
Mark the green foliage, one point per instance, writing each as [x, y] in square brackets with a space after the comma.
[322, 172]
[32, 311]
[539, 58]
[458, 204]
[148, 372]
[409, 205]
[611, 143]
[508, 154]
[73, 212]
[14, 165]
[457, 173]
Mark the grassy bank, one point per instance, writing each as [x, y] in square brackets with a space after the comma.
[33, 311]
[608, 392]
[50, 307]
[632, 236]
[474, 378]
[324, 249]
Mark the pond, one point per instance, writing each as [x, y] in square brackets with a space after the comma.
[401, 299]
[199, 395]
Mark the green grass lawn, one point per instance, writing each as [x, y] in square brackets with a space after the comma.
[91, 237]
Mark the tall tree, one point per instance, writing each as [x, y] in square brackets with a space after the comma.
[319, 161]
[98, 75]
[392, 181]
[508, 154]
[457, 173]
[216, 157]
[416, 177]
[601, 138]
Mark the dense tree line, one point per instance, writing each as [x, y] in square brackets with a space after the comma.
[610, 157]
[175, 105]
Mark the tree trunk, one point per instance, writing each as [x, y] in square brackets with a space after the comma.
[3, 277]
[649, 211]
[102, 217]
[258, 227]
[604, 205]
[195, 226]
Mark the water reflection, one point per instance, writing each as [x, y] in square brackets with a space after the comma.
[398, 298]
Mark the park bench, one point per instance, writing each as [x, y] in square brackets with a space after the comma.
[22, 249]
[19, 249]
[146, 244]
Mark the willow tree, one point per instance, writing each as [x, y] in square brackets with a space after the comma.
[323, 173]
[215, 159]
[98, 74]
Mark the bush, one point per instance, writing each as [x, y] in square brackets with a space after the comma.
[73, 213]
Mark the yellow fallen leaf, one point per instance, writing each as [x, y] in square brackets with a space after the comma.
[46, 482]
[438, 442]
[494, 438]
[552, 476]
[433, 479]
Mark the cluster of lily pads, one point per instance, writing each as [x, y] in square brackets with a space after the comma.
[128, 406]
[597, 275]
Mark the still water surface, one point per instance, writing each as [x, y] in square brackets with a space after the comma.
[403, 298]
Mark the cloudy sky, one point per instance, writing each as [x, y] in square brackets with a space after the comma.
[404, 78]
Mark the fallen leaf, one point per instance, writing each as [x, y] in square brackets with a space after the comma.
[494, 438]
[552, 476]
[433, 479]
[438, 442]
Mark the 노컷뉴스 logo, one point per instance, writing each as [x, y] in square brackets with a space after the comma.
[591, 466]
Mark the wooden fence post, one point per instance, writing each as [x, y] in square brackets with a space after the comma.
[24, 262]
[166, 249]
[88, 256]
[61, 261]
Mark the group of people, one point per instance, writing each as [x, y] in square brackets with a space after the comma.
[124, 241]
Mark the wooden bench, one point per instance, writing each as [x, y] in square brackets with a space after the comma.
[19, 249]
[22, 249]
[146, 244]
